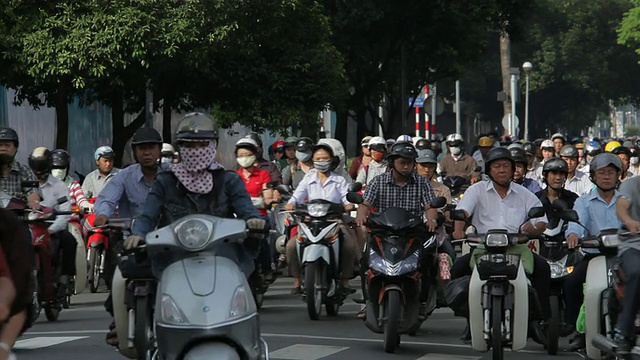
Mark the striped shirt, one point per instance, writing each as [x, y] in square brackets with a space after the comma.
[76, 193]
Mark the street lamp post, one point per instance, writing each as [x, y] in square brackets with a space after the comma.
[527, 67]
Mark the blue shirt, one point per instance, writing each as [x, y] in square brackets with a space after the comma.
[127, 191]
[595, 214]
[531, 185]
[334, 189]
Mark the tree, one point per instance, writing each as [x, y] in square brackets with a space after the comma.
[631, 130]
[629, 31]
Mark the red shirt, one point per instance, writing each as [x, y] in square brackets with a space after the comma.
[255, 183]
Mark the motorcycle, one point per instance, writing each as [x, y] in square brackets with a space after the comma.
[283, 223]
[499, 297]
[457, 185]
[203, 304]
[393, 265]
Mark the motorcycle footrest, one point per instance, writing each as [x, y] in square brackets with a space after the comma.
[360, 301]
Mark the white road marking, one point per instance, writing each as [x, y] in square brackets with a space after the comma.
[433, 356]
[42, 342]
[306, 352]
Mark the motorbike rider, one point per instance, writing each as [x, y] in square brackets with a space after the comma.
[403, 188]
[580, 147]
[289, 148]
[532, 160]
[591, 150]
[362, 161]
[377, 165]
[554, 175]
[634, 163]
[426, 165]
[597, 211]
[293, 174]
[13, 173]
[499, 203]
[60, 170]
[52, 190]
[577, 181]
[519, 156]
[628, 211]
[96, 180]
[485, 144]
[168, 154]
[277, 148]
[547, 150]
[456, 162]
[624, 155]
[324, 183]
[264, 164]
[558, 142]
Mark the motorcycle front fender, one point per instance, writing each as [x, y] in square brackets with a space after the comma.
[315, 252]
[81, 259]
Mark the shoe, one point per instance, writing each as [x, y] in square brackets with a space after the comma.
[422, 313]
[362, 314]
[577, 342]
[466, 334]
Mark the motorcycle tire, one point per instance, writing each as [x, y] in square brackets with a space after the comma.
[143, 325]
[332, 307]
[52, 312]
[94, 269]
[496, 328]
[553, 327]
[393, 311]
[314, 287]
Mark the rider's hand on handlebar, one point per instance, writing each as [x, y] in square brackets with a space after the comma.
[100, 220]
[633, 226]
[361, 220]
[289, 207]
[528, 228]
[572, 240]
[256, 224]
[458, 234]
[35, 205]
[133, 241]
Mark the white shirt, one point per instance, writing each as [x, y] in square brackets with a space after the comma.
[374, 169]
[477, 156]
[51, 191]
[490, 211]
[579, 183]
[334, 189]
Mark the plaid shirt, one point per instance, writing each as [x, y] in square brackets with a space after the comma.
[413, 196]
[11, 184]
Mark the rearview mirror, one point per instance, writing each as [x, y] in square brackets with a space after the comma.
[459, 215]
[569, 215]
[355, 187]
[438, 202]
[354, 198]
[478, 169]
[272, 184]
[535, 212]
[560, 205]
[30, 184]
[283, 189]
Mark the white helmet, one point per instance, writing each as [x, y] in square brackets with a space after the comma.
[547, 144]
[403, 138]
[167, 149]
[415, 139]
[377, 140]
[454, 138]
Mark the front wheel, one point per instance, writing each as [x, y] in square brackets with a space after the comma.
[393, 309]
[314, 288]
[553, 328]
[143, 328]
[496, 328]
[94, 269]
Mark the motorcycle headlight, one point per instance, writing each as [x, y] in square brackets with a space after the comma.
[33, 215]
[383, 266]
[558, 268]
[170, 312]
[610, 240]
[241, 303]
[497, 240]
[194, 234]
[317, 210]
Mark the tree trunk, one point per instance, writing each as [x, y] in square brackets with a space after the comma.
[166, 120]
[121, 133]
[62, 118]
[342, 123]
[505, 66]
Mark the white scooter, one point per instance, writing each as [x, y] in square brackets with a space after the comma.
[204, 304]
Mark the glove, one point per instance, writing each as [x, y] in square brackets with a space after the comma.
[133, 241]
[256, 224]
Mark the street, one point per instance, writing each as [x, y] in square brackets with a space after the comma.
[80, 333]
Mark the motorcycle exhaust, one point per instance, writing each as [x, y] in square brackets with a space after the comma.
[603, 343]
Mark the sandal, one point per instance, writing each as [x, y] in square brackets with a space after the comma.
[362, 314]
[296, 290]
[112, 335]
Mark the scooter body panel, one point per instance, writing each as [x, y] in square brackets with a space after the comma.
[81, 259]
[597, 282]
[120, 313]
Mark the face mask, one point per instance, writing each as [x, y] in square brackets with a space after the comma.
[377, 155]
[246, 161]
[59, 173]
[634, 160]
[198, 158]
[322, 166]
[455, 150]
[303, 156]
[166, 160]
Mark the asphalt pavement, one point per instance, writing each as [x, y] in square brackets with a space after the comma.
[80, 334]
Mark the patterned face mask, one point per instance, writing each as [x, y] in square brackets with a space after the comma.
[192, 170]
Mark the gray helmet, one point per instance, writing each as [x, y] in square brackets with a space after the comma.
[196, 127]
[569, 151]
[603, 160]
[426, 156]
[518, 155]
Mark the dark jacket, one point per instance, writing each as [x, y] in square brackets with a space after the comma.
[553, 214]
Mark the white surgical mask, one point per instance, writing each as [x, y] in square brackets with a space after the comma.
[455, 150]
[634, 160]
[246, 161]
[62, 173]
[166, 160]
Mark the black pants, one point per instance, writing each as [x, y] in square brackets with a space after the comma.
[573, 289]
[67, 244]
[540, 279]
[631, 268]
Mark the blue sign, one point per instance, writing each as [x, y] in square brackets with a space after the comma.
[419, 102]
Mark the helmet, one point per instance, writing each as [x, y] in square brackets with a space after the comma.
[627, 144]
[167, 149]
[485, 141]
[621, 150]
[518, 155]
[290, 142]
[40, 160]
[402, 149]
[554, 164]
[426, 156]
[248, 144]
[377, 140]
[576, 139]
[529, 148]
[415, 139]
[365, 140]
[389, 143]
[60, 159]
[515, 145]
[611, 145]
[423, 144]
[196, 127]
[278, 146]
[146, 135]
[547, 144]
[255, 137]
[403, 138]
[8, 134]
[337, 151]
[304, 144]
[579, 145]
[592, 148]
[603, 160]
[499, 154]
[104, 151]
[454, 138]
[569, 151]
[557, 136]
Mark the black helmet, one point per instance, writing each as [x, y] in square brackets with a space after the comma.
[499, 153]
[60, 159]
[423, 144]
[554, 164]
[196, 127]
[518, 155]
[146, 135]
[8, 134]
[40, 160]
[529, 148]
[569, 151]
[304, 144]
[402, 149]
[621, 150]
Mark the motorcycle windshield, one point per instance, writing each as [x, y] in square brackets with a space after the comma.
[5, 199]
[320, 208]
[395, 219]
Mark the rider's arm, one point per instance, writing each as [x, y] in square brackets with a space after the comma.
[267, 194]
[148, 217]
[32, 194]
[60, 223]
[87, 186]
[583, 215]
[302, 191]
[110, 196]
[239, 197]
[275, 173]
[75, 190]
[362, 176]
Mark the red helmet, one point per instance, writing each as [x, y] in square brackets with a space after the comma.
[278, 146]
